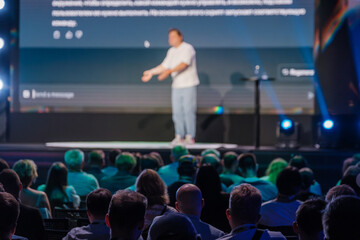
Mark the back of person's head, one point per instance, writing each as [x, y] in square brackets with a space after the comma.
[187, 166]
[26, 170]
[57, 181]
[337, 191]
[11, 182]
[172, 226]
[208, 180]
[244, 205]
[152, 187]
[230, 161]
[247, 161]
[350, 178]
[3, 164]
[148, 161]
[307, 178]
[178, 151]
[274, 168]
[189, 200]
[341, 218]
[298, 161]
[309, 219]
[213, 160]
[125, 162]
[112, 156]
[97, 203]
[211, 151]
[74, 159]
[158, 157]
[288, 181]
[126, 212]
[96, 158]
[9, 213]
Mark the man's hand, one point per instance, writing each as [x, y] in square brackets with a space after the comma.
[147, 75]
[165, 74]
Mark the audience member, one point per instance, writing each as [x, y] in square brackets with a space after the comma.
[341, 218]
[126, 214]
[337, 191]
[230, 164]
[243, 214]
[27, 172]
[282, 210]
[149, 161]
[124, 162]
[307, 179]
[189, 201]
[173, 226]
[248, 169]
[111, 169]
[3, 164]
[186, 170]
[350, 178]
[83, 183]
[97, 205]
[169, 173]
[211, 151]
[29, 223]
[216, 201]
[10, 210]
[96, 161]
[158, 157]
[57, 188]
[213, 160]
[308, 224]
[273, 170]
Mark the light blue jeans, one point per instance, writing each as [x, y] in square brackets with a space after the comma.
[184, 110]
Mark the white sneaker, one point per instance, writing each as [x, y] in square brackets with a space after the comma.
[189, 140]
[177, 140]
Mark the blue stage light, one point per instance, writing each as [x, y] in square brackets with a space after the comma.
[328, 124]
[1, 84]
[286, 124]
[2, 43]
[2, 4]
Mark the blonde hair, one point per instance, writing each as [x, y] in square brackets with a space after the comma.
[27, 171]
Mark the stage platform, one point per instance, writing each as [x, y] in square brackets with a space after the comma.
[326, 163]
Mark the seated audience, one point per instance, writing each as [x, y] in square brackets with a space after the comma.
[308, 224]
[215, 200]
[213, 160]
[273, 170]
[248, 169]
[149, 161]
[341, 218]
[337, 191]
[211, 151]
[83, 183]
[57, 188]
[154, 189]
[111, 169]
[169, 173]
[282, 210]
[29, 223]
[186, 170]
[27, 172]
[350, 178]
[97, 205]
[125, 162]
[307, 179]
[158, 157]
[125, 216]
[243, 214]
[10, 210]
[230, 164]
[189, 201]
[3, 164]
[96, 161]
[173, 226]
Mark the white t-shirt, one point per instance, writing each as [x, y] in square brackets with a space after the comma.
[184, 53]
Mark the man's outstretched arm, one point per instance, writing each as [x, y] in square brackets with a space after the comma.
[148, 74]
[166, 73]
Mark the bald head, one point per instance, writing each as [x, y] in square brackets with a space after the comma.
[189, 200]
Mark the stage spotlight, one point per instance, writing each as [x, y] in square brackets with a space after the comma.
[2, 43]
[327, 134]
[287, 134]
[328, 124]
[1, 84]
[2, 4]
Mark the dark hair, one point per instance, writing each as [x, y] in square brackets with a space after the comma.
[350, 176]
[96, 157]
[208, 180]
[127, 209]
[247, 161]
[177, 31]
[307, 178]
[11, 182]
[341, 218]
[10, 209]
[125, 162]
[230, 158]
[212, 159]
[158, 157]
[97, 202]
[309, 216]
[245, 203]
[112, 155]
[148, 161]
[57, 180]
[337, 191]
[187, 165]
[3, 164]
[298, 161]
[288, 181]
